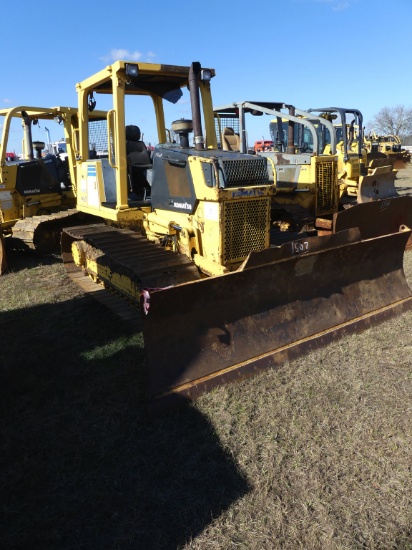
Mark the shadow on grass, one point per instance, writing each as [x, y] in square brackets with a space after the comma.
[26, 259]
[82, 466]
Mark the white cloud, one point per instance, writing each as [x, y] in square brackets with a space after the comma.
[5, 100]
[119, 53]
[340, 6]
[336, 5]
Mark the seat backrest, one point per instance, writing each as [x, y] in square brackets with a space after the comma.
[230, 140]
[132, 133]
[136, 151]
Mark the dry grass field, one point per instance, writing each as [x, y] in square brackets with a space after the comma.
[314, 455]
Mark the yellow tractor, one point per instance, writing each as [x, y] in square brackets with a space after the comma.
[305, 178]
[368, 196]
[37, 195]
[387, 146]
[314, 184]
[184, 242]
[360, 180]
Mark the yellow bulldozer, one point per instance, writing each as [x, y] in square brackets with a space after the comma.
[37, 194]
[368, 194]
[361, 179]
[314, 183]
[387, 146]
[304, 177]
[184, 242]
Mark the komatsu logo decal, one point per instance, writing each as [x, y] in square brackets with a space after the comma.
[247, 193]
[184, 205]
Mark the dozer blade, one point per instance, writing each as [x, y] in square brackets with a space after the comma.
[378, 185]
[379, 159]
[212, 331]
[399, 164]
[377, 218]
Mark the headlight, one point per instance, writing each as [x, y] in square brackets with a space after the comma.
[206, 75]
[131, 70]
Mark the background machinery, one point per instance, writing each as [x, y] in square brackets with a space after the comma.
[387, 146]
[360, 179]
[305, 178]
[184, 239]
[37, 191]
[367, 185]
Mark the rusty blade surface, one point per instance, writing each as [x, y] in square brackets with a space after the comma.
[297, 247]
[205, 332]
[377, 218]
[399, 164]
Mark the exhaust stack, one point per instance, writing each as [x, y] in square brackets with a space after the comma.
[194, 75]
[28, 140]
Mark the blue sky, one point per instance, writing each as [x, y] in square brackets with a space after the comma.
[310, 53]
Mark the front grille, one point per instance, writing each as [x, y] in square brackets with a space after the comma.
[246, 226]
[245, 172]
[326, 188]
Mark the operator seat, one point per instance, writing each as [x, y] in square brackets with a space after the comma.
[230, 140]
[139, 163]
